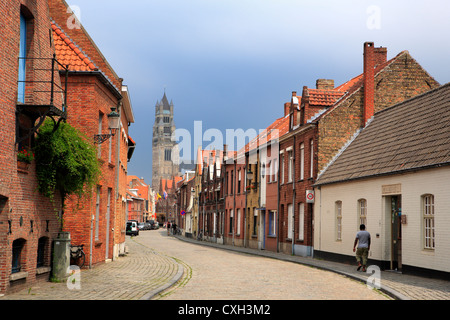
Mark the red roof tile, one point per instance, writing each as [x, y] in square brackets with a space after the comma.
[68, 53]
[320, 97]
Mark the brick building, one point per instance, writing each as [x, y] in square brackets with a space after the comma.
[28, 220]
[323, 120]
[166, 205]
[94, 91]
[185, 201]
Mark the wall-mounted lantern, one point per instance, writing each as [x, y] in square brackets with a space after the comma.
[113, 124]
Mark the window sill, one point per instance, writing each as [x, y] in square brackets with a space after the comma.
[42, 270]
[18, 276]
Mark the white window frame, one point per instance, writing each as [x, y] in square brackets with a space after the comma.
[362, 212]
[301, 221]
[428, 215]
[290, 208]
[302, 161]
[338, 211]
[290, 165]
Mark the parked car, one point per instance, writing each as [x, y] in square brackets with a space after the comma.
[142, 226]
[154, 224]
[132, 228]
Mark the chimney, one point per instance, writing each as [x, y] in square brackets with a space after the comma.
[369, 82]
[325, 84]
[286, 108]
[380, 55]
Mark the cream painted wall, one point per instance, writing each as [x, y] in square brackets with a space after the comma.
[413, 185]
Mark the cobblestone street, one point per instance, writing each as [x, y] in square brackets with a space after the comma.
[161, 267]
[155, 261]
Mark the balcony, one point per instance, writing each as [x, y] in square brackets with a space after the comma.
[40, 95]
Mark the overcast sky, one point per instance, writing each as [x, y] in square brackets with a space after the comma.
[234, 63]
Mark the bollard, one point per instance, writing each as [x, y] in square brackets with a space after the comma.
[61, 257]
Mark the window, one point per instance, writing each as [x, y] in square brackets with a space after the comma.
[275, 169]
[22, 61]
[231, 221]
[282, 168]
[272, 223]
[166, 119]
[231, 183]
[238, 227]
[17, 248]
[290, 221]
[302, 161]
[42, 244]
[97, 213]
[167, 155]
[290, 166]
[362, 212]
[428, 221]
[338, 211]
[100, 120]
[311, 160]
[301, 221]
[239, 182]
[167, 130]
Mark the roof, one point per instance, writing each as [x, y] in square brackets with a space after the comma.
[277, 129]
[68, 53]
[169, 183]
[320, 97]
[411, 135]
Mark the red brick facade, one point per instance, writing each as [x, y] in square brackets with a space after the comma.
[322, 134]
[28, 220]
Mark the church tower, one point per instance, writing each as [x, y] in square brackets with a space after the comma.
[165, 153]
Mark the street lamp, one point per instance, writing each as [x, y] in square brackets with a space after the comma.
[113, 124]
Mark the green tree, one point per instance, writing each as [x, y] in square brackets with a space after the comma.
[66, 162]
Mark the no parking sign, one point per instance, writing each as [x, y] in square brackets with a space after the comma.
[309, 196]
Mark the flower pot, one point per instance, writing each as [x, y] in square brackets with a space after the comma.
[22, 166]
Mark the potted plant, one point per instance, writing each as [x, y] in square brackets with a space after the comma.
[25, 156]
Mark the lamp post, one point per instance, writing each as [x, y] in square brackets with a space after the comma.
[113, 124]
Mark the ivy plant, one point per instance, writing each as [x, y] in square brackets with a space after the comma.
[66, 161]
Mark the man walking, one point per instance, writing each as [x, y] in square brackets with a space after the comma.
[363, 241]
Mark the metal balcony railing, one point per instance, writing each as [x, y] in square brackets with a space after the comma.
[40, 93]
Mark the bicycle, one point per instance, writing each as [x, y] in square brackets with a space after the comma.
[77, 256]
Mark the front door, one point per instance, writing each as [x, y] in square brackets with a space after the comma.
[396, 232]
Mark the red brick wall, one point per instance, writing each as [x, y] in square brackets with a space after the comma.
[87, 98]
[303, 135]
[21, 206]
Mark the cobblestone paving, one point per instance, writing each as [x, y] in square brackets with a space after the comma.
[224, 275]
[166, 268]
[135, 276]
[400, 286]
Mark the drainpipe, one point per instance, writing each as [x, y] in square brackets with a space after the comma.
[234, 200]
[278, 202]
[293, 197]
[245, 210]
[117, 180]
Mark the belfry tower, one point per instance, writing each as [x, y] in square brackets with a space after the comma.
[165, 153]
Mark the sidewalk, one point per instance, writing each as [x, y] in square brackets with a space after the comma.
[397, 285]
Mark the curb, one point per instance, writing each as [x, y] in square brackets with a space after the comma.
[175, 279]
